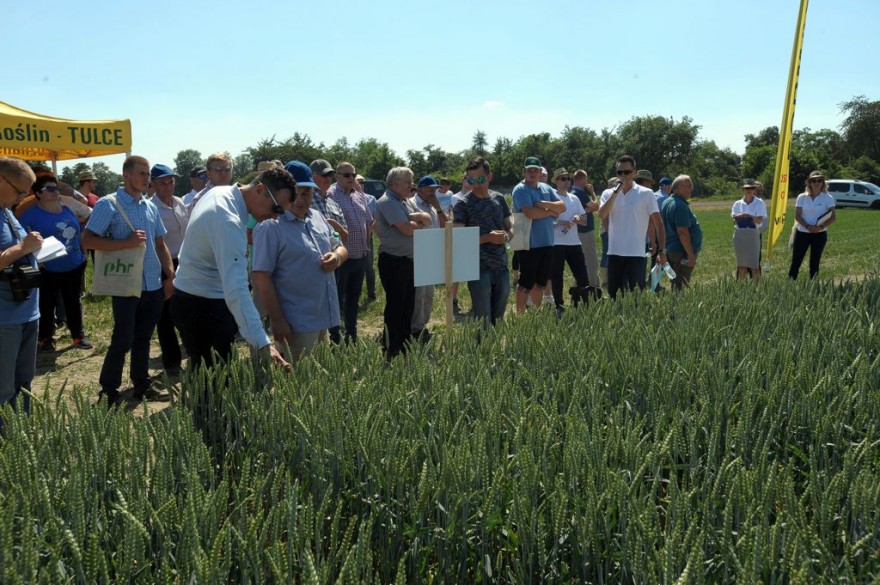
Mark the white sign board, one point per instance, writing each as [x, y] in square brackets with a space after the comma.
[429, 250]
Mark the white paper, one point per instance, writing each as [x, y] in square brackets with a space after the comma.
[429, 251]
[50, 250]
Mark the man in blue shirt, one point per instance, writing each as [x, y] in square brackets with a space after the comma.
[538, 202]
[134, 318]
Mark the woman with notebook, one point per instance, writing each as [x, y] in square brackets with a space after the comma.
[813, 213]
[748, 214]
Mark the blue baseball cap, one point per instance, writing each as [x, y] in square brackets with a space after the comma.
[428, 181]
[665, 181]
[301, 172]
[159, 171]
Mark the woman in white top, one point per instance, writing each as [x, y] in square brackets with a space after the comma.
[748, 214]
[566, 244]
[813, 213]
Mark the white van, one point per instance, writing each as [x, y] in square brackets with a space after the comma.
[848, 193]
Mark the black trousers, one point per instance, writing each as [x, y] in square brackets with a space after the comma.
[625, 273]
[397, 276]
[69, 286]
[802, 241]
[171, 357]
[574, 256]
[205, 325]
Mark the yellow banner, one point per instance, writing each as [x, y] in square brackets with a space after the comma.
[779, 201]
[36, 137]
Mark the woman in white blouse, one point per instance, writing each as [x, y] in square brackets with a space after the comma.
[813, 213]
[748, 214]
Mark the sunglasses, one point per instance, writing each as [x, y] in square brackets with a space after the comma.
[275, 208]
[623, 173]
[563, 179]
[50, 188]
[347, 175]
[481, 180]
[817, 180]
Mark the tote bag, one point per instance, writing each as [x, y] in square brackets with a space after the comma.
[522, 232]
[119, 273]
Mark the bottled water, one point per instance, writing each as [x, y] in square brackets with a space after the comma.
[670, 273]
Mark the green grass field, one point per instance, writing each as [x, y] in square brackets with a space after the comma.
[730, 433]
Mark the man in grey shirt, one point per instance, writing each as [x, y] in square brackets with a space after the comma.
[397, 218]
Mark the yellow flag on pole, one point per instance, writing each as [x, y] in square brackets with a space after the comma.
[779, 201]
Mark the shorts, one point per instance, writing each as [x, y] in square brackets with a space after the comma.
[534, 267]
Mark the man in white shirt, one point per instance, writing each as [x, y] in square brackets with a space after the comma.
[198, 176]
[629, 208]
[211, 299]
[173, 214]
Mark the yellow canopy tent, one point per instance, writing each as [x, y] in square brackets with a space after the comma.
[36, 137]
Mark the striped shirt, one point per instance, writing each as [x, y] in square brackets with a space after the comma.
[358, 219]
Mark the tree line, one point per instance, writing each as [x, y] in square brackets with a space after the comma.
[665, 146]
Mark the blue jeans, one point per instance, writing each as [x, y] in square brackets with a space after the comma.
[18, 362]
[349, 283]
[134, 320]
[489, 294]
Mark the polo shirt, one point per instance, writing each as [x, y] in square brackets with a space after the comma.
[813, 209]
[290, 249]
[756, 208]
[629, 219]
[175, 220]
[213, 261]
[527, 196]
[426, 207]
[389, 211]
[676, 212]
[106, 221]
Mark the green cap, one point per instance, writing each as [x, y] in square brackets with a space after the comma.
[532, 163]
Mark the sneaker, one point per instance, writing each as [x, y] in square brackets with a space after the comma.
[47, 345]
[152, 394]
[82, 343]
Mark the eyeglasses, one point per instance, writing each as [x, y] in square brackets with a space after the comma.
[221, 170]
[50, 188]
[347, 175]
[16, 189]
[566, 179]
[275, 208]
[817, 180]
[625, 172]
[330, 174]
[481, 180]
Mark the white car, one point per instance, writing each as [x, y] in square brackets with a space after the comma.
[849, 193]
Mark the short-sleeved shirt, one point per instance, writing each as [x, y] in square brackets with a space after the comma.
[813, 209]
[756, 208]
[488, 214]
[143, 215]
[328, 208]
[358, 220]
[629, 219]
[16, 312]
[290, 249]
[65, 227]
[563, 236]
[390, 209]
[174, 218]
[527, 196]
[676, 212]
[584, 197]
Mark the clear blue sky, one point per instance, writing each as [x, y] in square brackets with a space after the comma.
[219, 75]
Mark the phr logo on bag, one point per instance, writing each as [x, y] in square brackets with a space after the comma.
[118, 268]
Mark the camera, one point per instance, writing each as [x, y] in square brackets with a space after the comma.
[22, 279]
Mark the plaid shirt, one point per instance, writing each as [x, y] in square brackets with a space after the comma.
[328, 208]
[143, 214]
[358, 220]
